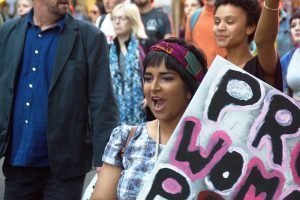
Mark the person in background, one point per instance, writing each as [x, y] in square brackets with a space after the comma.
[284, 41]
[237, 22]
[80, 12]
[291, 61]
[189, 7]
[56, 102]
[4, 11]
[23, 7]
[1, 20]
[125, 58]
[156, 22]
[201, 32]
[96, 11]
[169, 86]
[104, 21]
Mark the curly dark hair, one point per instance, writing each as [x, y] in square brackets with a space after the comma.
[295, 15]
[251, 8]
[155, 58]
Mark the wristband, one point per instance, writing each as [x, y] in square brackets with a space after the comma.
[271, 9]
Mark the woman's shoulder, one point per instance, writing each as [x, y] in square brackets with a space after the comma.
[125, 129]
[117, 141]
[285, 59]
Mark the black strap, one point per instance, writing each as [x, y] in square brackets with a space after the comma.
[101, 20]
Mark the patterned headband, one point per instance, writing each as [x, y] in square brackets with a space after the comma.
[183, 56]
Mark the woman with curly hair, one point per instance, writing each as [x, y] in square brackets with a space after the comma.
[236, 23]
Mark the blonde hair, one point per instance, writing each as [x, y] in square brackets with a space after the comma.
[132, 12]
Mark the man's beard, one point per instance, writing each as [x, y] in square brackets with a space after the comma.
[141, 4]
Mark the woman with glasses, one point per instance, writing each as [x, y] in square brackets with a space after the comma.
[125, 58]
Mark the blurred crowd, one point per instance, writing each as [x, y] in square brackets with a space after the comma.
[119, 71]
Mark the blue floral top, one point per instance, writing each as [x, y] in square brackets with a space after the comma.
[127, 82]
[138, 160]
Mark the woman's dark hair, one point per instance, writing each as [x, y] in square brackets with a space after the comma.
[101, 7]
[295, 15]
[155, 58]
[250, 7]
[201, 3]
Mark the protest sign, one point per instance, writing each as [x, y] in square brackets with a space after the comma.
[238, 139]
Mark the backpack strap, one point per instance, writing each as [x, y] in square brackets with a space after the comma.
[101, 20]
[132, 131]
[194, 18]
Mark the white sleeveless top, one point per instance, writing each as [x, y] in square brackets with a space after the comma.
[293, 74]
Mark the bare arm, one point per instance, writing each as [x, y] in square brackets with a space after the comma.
[107, 182]
[265, 37]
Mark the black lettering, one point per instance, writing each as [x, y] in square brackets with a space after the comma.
[297, 165]
[274, 129]
[196, 161]
[227, 171]
[221, 98]
[293, 195]
[261, 184]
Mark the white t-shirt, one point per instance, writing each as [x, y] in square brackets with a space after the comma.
[293, 74]
[107, 28]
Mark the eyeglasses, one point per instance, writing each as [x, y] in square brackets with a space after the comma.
[120, 18]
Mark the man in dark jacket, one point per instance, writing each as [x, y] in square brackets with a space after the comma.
[56, 102]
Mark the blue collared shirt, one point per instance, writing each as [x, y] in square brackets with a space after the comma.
[29, 133]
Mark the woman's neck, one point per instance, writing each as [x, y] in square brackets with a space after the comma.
[166, 129]
[122, 39]
[239, 56]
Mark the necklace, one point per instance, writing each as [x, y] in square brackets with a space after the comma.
[157, 140]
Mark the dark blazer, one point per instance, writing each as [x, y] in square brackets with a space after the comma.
[81, 104]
